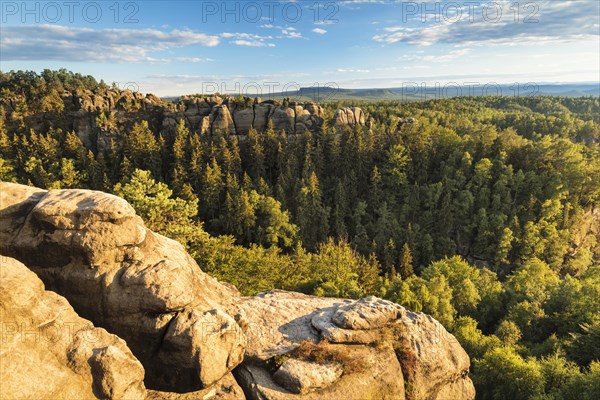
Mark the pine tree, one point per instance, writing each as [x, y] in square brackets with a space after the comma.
[339, 213]
[313, 216]
[375, 189]
[142, 148]
[389, 258]
[406, 262]
[256, 155]
[178, 165]
[70, 177]
[211, 186]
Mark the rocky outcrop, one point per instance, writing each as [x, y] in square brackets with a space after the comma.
[237, 118]
[101, 117]
[192, 332]
[49, 352]
[382, 350]
[284, 119]
[83, 107]
[91, 248]
[300, 376]
[348, 117]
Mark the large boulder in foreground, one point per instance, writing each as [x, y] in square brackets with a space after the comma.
[304, 347]
[91, 248]
[49, 352]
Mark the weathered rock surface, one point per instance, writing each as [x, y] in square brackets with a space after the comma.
[262, 116]
[49, 352]
[190, 331]
[237, 118]
[221, 120]
[299, 376]
[398, 352]
[82, 108]
[284, 119]
[367, 313]
[244, 120]
[348, 117]
[91, 248]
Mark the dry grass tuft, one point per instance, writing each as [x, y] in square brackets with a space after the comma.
[321, 353]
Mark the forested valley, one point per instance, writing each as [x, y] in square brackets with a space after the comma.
[483, 212]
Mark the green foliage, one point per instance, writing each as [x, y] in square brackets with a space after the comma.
[313, 216]
[503, 374]
[338, 271]
[153, 201]
[472, 339]
[7, 171]
[585, 346]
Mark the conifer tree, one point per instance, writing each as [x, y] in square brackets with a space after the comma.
[313, 216]
[406, 262]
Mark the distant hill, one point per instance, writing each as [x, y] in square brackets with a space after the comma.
[414, 92]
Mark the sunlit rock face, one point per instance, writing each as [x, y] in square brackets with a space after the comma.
[49, 352]
[366, 349]
[93, 249]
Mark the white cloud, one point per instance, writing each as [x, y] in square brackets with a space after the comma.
[287, 32]
[438, 58]
[538, 23]
[252, 43]
[291, 33]
[319, 31]
[61, 43]
[352, 70]
[192, 59]
[248, 39]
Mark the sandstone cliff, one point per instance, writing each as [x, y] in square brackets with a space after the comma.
[91, 248]
[97, 118]
[49, 352]
[191, 332]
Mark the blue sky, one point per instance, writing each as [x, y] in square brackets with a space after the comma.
[179, 47]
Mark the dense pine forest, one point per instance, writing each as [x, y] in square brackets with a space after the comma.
[484, 212]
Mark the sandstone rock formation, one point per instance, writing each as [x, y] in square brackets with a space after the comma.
[300, 376]
[49, 352]
[383, 350]
[237, 118]
[191, 332]
[91, 248]
[82, 107]
[204, 114]
[348, 117]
